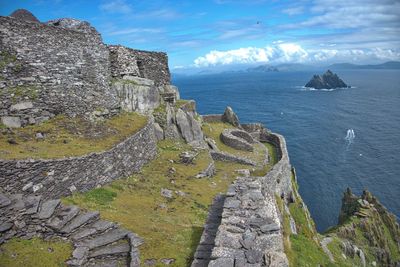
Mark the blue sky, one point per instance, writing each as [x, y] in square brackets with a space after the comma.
[207, 33]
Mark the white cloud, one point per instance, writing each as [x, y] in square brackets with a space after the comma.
[292, 53]
[291, 11]
[116, 6]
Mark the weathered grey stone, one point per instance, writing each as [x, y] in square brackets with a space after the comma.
[4, 201]
[167, 261]
[12, 122]
[110, 250]
[276, 259]
[223, 156]
[32, 204]
[231, 203]
[267, 228]
[104, 239]
[134, 240]
[253, 256]
[21, 106]
[4, 226]
[80, 220]
[230, 117]
[66, 215]
[166, 193]
[208, 172]
[47, 209]
[158, 132]
[222, 262]
[80, 252]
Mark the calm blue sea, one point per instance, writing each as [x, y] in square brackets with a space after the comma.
[315, 124]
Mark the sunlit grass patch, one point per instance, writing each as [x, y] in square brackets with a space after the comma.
[171, 227]
[66, 137]
[34, 252]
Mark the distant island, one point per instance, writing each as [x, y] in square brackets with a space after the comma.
[328, 80]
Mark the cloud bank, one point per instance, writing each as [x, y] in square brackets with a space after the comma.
[290, 53]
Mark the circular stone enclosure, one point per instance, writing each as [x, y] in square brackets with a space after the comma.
[237, 139]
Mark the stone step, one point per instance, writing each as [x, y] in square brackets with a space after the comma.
[99, 262]
[91, 229]
[47, 209]
[104, 239]
[80, 220]
[123, 248]
[65, 215]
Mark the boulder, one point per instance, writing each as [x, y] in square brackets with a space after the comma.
[158, 132]
[328, 80]
[230, 117]
[12, 122]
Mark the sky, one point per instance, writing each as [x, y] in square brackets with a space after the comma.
[210, 33]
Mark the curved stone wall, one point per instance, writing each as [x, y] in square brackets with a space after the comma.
[60, 177]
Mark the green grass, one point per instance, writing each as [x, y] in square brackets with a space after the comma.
[171, 228]
[67, 137]
[34, 252]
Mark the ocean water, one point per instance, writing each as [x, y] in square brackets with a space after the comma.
[336, 139]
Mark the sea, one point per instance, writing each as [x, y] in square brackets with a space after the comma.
[336, 138]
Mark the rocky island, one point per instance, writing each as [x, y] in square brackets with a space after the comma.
[102, 164]
[328, 80]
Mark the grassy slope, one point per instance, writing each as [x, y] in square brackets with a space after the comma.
[69, 137]
[172, 231]
[34, 252]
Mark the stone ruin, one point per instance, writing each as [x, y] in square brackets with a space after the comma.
[63, 67]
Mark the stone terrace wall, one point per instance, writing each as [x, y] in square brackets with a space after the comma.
[62, 67]
[144, 64]
[60, 177]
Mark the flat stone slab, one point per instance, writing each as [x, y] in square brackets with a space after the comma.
[5, 226]
[104, 239]
[110, 250]
[32, 204]
[4, 201]
[48, 208]
[79, 220]
[63, 217]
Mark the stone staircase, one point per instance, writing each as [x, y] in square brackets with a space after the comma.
[96, 242]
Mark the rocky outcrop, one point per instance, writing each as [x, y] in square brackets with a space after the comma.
[379, 230]
[96, 242]
[230, 117]
[328, 80]
[136, 94]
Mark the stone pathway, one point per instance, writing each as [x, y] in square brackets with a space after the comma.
[96, 242]
[207, 240]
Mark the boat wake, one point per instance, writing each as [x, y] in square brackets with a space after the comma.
[350, 137]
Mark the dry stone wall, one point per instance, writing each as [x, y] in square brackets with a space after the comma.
[48, 69]
[63, 67]
[60, 177]
[144, 64]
